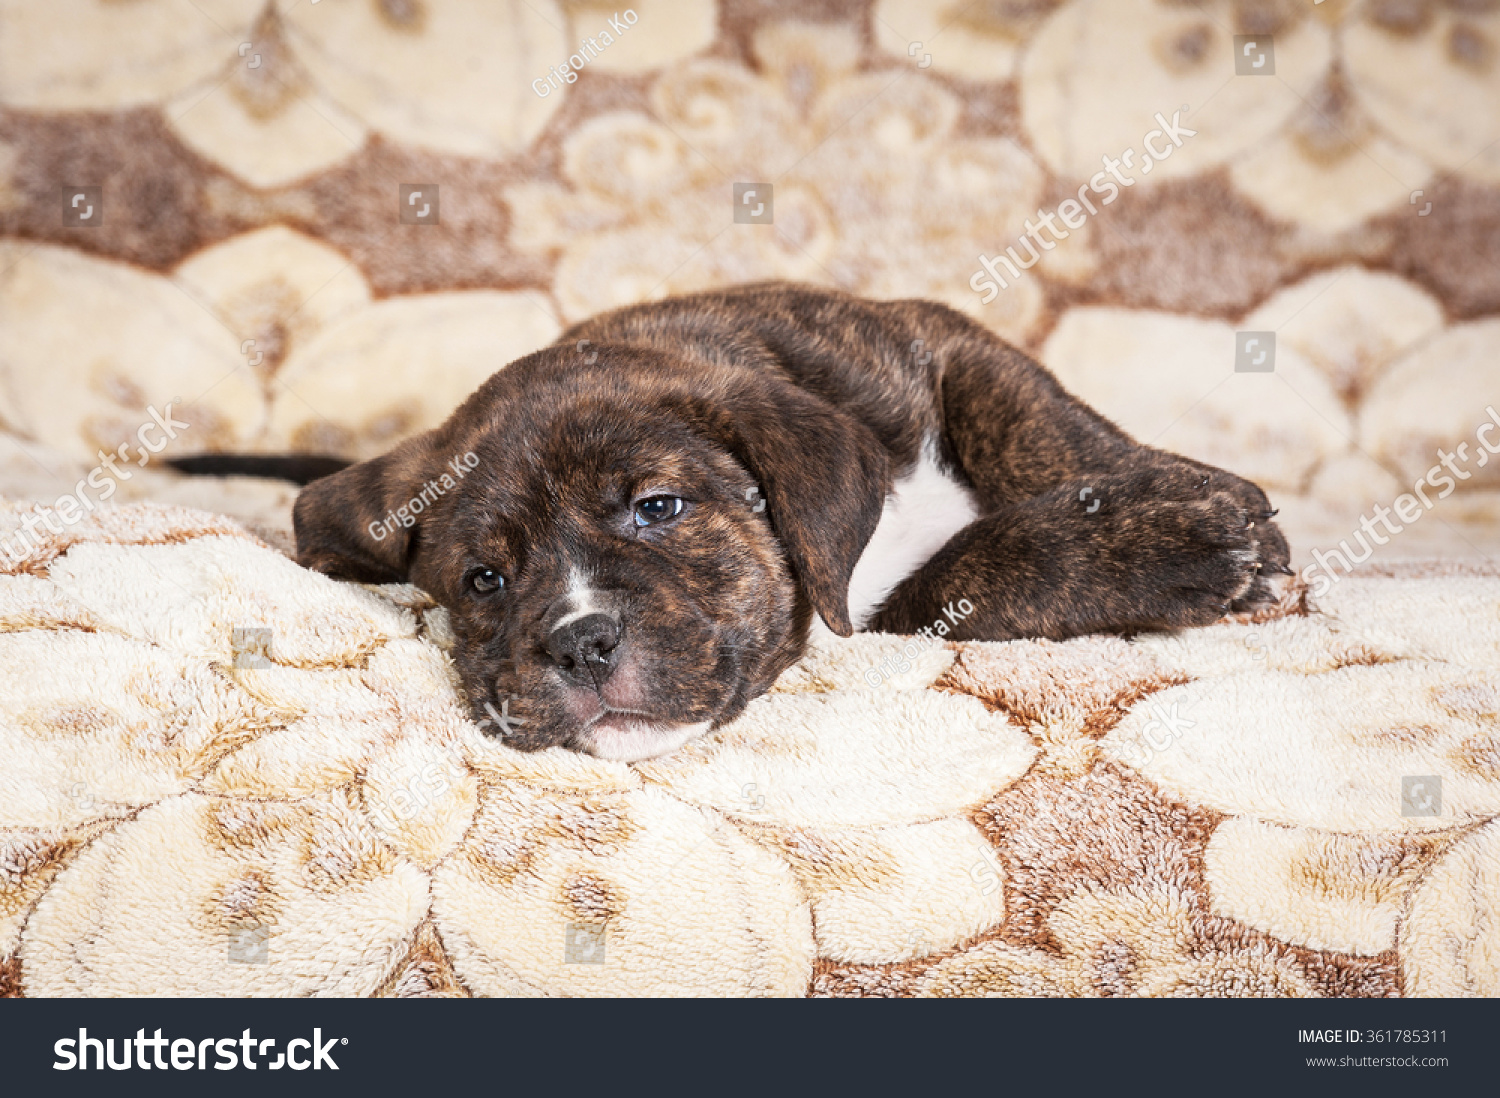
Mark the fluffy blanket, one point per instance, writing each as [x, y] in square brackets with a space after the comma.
[256, 261]
[221, 774]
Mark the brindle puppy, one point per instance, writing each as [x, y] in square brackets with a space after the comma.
[664, 498]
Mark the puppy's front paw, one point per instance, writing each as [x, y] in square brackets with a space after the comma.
[1272, 553]
[1263, 538]
[1203, 562]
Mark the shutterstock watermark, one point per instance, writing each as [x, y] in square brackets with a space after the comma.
[501, 722]
[1167, 725]
[83, 207]
[250, 645]
[1320, 576]
[86, 1053]
[989, 280]
[1422, 795]
[420, 792]
[584, 943]
[71, 508]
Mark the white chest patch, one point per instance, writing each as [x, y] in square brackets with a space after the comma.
[925, 508]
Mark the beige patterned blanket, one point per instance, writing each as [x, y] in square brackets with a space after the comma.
[221, 774]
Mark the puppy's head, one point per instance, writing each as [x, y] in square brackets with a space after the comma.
[630, 549]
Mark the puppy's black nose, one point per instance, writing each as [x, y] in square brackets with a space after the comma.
[584, 648]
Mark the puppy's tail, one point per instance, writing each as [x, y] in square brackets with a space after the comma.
[300, 469]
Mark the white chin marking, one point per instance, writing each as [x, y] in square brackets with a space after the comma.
[926, 507]
[639, 739]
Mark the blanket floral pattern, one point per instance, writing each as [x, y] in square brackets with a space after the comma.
[223, 775]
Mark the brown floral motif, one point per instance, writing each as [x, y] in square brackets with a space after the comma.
[275, 92]
[873, 188]
[332, 823]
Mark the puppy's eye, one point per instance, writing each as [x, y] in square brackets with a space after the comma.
[486, 581]
[654, 509]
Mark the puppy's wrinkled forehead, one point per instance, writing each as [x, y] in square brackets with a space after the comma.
[571, 468]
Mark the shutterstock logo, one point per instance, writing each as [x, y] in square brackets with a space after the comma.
[187, 1055]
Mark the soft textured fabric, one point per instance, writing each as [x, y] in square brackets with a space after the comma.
[256, 258]
[221, 774]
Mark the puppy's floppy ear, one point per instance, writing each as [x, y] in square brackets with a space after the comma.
[825, 477]
[343, 522]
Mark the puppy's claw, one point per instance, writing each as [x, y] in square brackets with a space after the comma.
[1259, 595]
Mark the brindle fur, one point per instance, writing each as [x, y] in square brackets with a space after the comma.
[817, 400]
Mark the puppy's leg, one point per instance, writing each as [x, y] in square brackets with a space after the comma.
[1084, 529]
[1160, 545]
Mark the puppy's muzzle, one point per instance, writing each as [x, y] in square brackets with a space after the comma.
[585, 650]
